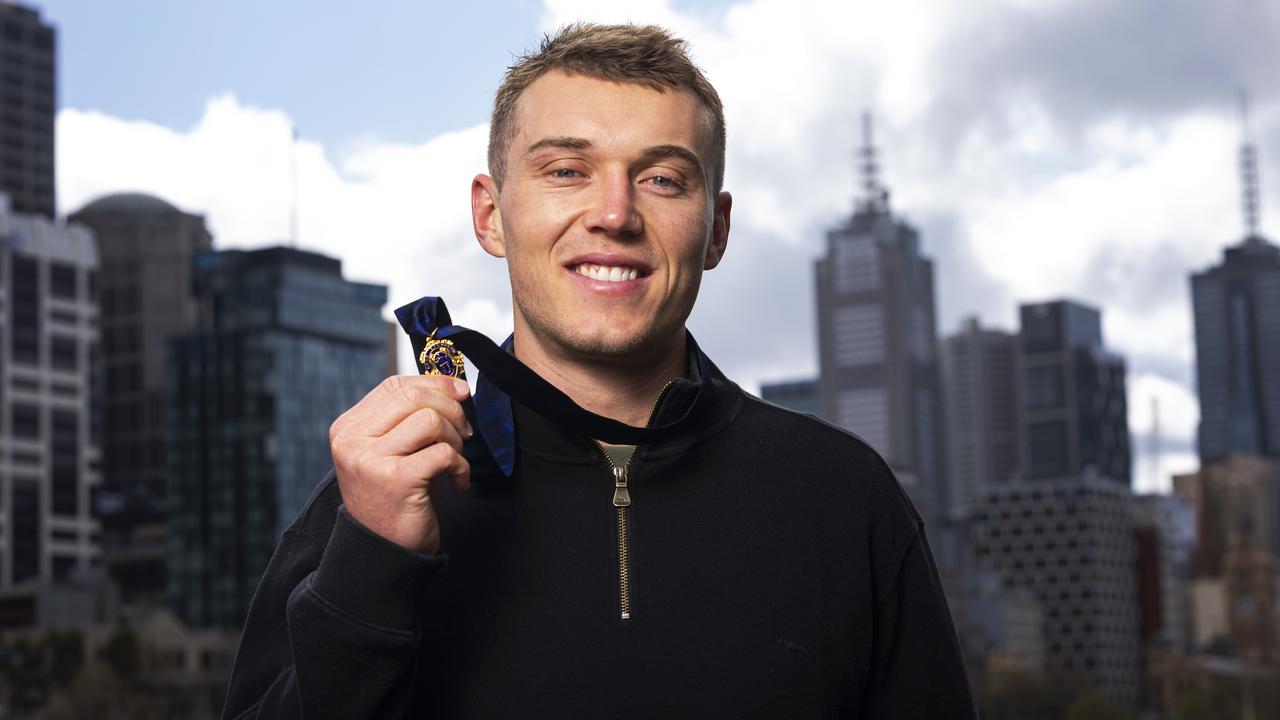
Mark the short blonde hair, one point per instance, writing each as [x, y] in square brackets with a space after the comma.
[642, 54]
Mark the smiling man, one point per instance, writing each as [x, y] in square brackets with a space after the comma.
[739, 561]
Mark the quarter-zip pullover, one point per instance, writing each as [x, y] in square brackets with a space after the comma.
[767, 565]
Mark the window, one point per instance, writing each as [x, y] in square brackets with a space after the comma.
[858, 335]
[25, 337]
[26, 421]
[64, 353]
[64, 451]
[62, 281]
[26, 529]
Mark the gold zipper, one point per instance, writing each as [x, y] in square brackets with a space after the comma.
[619, 458]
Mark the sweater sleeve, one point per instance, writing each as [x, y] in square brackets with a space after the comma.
[332, 630]
[918, 669]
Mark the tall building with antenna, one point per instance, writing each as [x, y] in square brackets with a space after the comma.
[1236, 307]
[877, 347]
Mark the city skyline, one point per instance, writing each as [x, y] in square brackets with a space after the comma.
[1031, 174]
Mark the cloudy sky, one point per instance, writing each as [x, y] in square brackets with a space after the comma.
[1044, 148]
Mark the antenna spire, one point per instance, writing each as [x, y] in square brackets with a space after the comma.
[875, 199]
[1248, 169]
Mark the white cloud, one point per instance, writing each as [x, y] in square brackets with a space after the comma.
[395, 214]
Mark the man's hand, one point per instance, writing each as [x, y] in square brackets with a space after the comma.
[390, 447]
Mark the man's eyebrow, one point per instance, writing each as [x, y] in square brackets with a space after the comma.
[674, 151]
[563, 142]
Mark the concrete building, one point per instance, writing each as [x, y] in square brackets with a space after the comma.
[981, 391]
[146, 248]
[1250, 576]
[283, 345]
[1070, 543]
[1072, 393]
[1226, 496]
[28, 102]
[877, 339]
[798, 395]
[49, 456]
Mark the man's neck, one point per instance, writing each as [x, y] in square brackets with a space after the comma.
[623, 391]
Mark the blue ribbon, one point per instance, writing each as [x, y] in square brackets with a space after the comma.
[489, 411]
[503, 378]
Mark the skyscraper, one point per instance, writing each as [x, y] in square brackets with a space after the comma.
[28, 101]
[878, 368]
[1075, 414]
[145, 249]
[1063, 528]
[283, 345]
[1237, 321]
[982, 412]
[1236, 306]
[48, 438]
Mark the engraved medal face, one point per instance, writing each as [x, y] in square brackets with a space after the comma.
[440, 357]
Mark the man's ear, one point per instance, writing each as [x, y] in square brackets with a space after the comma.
[486, 217]
[719, 231]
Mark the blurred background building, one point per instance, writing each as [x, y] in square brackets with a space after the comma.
[981, 392]
[283, 344]
[877, 339]
[28, 102]
[49, 448]
[145, 247]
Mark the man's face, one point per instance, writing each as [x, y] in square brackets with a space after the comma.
[605, 216]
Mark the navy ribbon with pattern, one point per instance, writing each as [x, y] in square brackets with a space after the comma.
[503, 377]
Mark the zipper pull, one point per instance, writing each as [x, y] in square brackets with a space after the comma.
[621, 496]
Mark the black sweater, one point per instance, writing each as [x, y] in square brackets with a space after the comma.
[775, 569]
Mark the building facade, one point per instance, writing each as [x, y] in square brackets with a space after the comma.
[1228, 496]
[1236, 307]
[1072, 392]
[877, 347]
[980, 382]
[146, 247]
[1070, 542]
[283, 345]
[49, 456]
[1063, 527]
[798, 395]
[28, 102]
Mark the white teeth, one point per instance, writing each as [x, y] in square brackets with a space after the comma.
[607, 273]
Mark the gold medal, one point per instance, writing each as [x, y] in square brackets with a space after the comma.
[440, 357]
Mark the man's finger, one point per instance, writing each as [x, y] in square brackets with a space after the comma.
[423, 427]
[435, 460]
[396, 398]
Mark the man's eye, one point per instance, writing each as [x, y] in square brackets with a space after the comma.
[663, 181]
[564, 173]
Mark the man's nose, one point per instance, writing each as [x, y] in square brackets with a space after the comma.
[614, 210]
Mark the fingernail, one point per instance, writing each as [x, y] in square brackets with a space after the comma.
[470, 432]
[461, 386]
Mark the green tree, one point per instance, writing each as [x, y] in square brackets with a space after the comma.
[1030, 695]
[66, 655]
[124, 656]
[26, 675]
[1093, 705]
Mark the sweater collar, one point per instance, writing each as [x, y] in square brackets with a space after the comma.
[704, 396]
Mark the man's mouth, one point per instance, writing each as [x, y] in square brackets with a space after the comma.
[607, 273]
